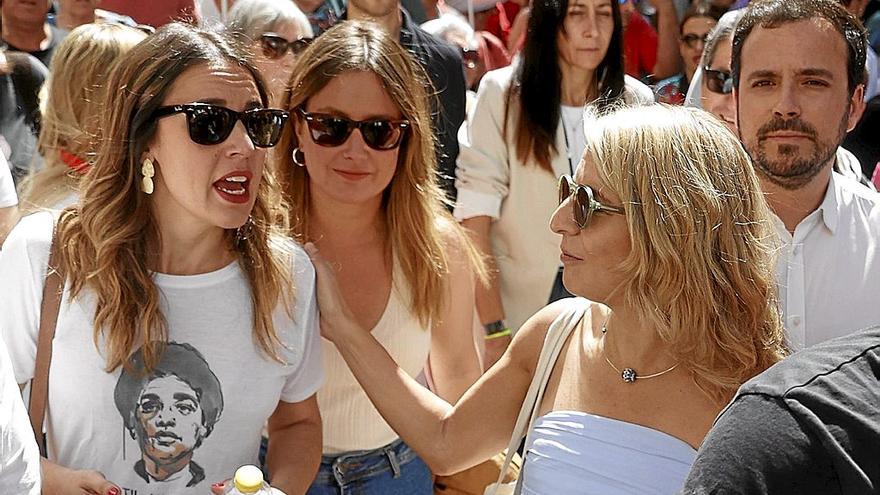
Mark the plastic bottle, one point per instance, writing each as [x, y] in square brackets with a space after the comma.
[248, 480]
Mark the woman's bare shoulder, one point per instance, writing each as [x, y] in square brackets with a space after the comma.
[529, 339]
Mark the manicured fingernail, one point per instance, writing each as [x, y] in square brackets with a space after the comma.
[113, 491]
[218, 485]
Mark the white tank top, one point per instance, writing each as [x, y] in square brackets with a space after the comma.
[351, 423]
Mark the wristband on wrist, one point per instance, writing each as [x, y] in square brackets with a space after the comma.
[494, 327]
[504, 333]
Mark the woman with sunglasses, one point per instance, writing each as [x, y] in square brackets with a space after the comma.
[278, 31]
[526, 129]
[694, 28]
[712, 78]
[359, 169]
[177, 277]
[665, 232]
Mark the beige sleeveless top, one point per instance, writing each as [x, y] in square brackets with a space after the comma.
[350, 421]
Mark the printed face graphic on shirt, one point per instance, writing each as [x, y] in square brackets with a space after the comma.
[169, 411]
[169, 419]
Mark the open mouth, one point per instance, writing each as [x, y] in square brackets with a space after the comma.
[234, 187]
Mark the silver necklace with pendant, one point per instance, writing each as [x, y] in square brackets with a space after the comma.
[629, 375]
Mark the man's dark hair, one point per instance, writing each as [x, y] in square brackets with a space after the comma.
[774, 13]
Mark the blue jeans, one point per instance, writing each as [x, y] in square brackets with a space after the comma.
[394, 469]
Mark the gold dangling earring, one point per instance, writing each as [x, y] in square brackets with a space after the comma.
[148, 171]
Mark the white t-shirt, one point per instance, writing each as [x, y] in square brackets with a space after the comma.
[7, 186]
[19, 455]
[208, 397]
[573, 125]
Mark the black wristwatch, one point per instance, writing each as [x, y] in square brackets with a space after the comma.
[495, 327]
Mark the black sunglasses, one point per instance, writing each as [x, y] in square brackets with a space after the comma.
[691, 39]
[584, 203]
[212, 124]
[275, 46]
[330, 130]
[718, 81]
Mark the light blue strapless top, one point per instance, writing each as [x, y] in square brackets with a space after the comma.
[573, 452]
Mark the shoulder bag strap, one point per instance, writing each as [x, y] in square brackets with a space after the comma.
[51, 304]
[559, 330]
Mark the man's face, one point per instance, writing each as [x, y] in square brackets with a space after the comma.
[25, 11]
[169, 419]
[793, 102]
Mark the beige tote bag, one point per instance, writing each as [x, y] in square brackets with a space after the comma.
[559, 330]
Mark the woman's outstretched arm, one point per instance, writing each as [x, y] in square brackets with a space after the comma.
[449, 438]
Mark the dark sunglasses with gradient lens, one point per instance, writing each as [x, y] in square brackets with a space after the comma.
[331, 130]
[718, 81]
[211, 124]
[275, 46]
[583, 201]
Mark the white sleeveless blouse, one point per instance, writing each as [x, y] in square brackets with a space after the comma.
[350, 421]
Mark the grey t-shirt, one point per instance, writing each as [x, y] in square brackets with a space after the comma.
[808, 425]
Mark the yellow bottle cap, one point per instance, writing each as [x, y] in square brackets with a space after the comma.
[248, 479]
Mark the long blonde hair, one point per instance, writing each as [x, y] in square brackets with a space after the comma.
[701, 268]
[414, 209]
[71, 108]
[107, 238]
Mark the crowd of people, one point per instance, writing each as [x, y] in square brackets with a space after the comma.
[380, 246]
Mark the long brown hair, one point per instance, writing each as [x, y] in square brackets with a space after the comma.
[413, 203]
[702, 265]
[72, 107]
[107, 238]
[534, 97]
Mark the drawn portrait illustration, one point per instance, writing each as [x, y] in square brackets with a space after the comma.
[169, 411]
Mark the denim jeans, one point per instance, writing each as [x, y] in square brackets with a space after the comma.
[394, 469]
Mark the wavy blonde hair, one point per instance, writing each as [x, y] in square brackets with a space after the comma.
[701, 269]
[106, 240]
[71, 108]
[419, 227]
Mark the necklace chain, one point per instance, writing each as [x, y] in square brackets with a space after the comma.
[629, 375]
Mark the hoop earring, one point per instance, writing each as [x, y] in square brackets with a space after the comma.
[148, 171]
[243, 233]
[298, 157]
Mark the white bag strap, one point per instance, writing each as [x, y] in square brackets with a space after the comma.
[559, 330]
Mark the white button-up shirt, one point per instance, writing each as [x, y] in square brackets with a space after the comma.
[828, 272]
